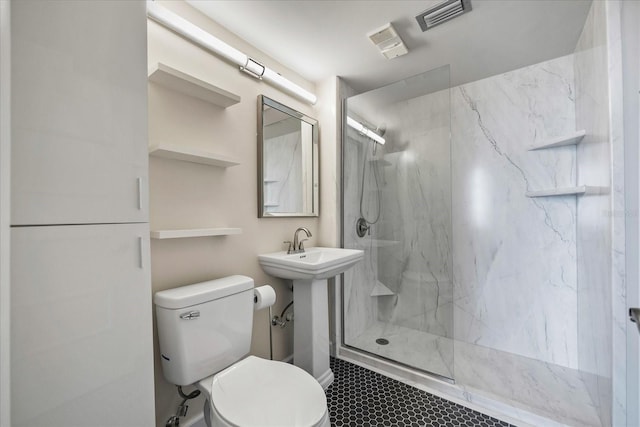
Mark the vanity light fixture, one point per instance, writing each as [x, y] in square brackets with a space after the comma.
[365, 130]
[207, 41]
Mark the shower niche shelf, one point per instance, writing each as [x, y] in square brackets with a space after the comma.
[194, 232]
[561, 141]
[173, 152]
[189, 85]
[381, 290]
[567, 191]
[567, 140]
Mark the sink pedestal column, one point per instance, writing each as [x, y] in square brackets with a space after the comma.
[311, 329]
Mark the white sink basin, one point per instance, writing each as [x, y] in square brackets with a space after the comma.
[313, 264]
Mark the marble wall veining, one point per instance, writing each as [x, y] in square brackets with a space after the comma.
[515, 257]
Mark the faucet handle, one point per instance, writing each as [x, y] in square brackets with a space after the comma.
[290, 246]
[300, 245]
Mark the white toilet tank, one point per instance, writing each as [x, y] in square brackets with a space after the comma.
[204, 328]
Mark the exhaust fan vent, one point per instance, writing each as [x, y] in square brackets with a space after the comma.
[442, 13]
[386, 39]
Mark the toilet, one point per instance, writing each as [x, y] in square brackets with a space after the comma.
[204, 332]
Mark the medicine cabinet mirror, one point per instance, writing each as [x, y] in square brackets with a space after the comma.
[287, 161]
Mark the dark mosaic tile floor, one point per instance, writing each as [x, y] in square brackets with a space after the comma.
[360, 397]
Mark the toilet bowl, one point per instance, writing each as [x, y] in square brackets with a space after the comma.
[257, 392]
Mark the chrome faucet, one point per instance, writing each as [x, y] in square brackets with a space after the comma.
[297, 247]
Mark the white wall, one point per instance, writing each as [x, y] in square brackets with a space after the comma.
[5, 173]
[328, 114]
[185, 195]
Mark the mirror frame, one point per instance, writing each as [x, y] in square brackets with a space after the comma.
[315, 185]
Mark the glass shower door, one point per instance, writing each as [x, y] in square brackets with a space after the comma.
[398, 302]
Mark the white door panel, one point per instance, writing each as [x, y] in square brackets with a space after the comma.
[79, 112]
[82, 351]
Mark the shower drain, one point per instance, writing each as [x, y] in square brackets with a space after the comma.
[382, 341]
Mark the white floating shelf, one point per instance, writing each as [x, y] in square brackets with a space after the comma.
[189, 85]
[568, 191]
[194, 232]
[380, 290]
[561, 141]
[173, 152]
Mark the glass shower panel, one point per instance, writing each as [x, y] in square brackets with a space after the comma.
[397, 303]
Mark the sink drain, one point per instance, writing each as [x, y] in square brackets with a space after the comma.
[382, 341]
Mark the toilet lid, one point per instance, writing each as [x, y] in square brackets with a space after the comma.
[260, 392]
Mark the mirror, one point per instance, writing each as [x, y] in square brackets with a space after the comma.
[287, 161]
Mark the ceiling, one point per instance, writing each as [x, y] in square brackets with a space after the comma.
[323, 38]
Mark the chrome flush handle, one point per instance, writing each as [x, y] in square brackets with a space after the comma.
[190, 315]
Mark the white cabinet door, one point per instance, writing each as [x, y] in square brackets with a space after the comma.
[79, 112]
[81, 327]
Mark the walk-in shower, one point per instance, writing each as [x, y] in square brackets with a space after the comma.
[472, 276]
[397, 203]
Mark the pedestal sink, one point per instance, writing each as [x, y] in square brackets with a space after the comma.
[309, 272]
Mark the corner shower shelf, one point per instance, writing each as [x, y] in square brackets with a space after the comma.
[561, 141]
[191, 155]
[568, 191]
[270, 181]
[271, 205]
[381, 290]
[194, 232]
[189, 85]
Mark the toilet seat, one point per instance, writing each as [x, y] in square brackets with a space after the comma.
[259, 392]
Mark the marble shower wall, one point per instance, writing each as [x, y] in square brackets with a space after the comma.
[512, 258]
[515, 257]
[594, 212]
[359, 281]
[416, 215]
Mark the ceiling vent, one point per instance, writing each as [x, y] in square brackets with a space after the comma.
[388, 41]
[442, 12]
